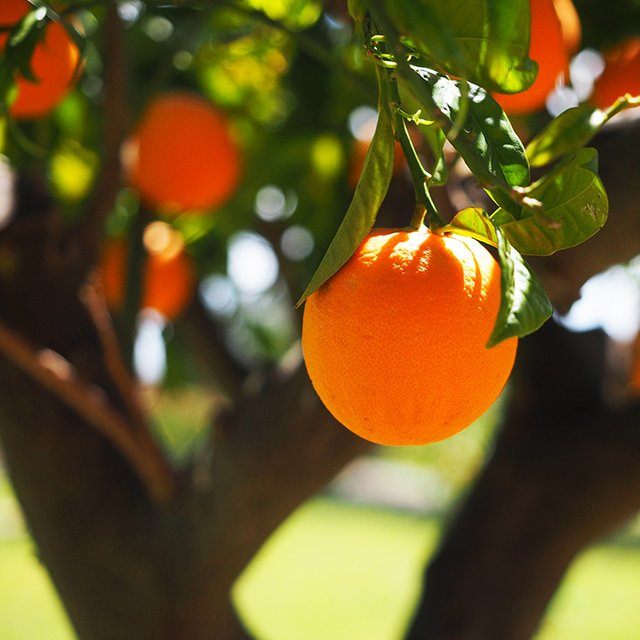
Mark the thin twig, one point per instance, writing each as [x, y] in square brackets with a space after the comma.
[114, 125]
[124, 381]
[57, 375]
[112, 353]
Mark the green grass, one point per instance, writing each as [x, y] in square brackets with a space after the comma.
[29, 608]
[598, 598]
[338, 571]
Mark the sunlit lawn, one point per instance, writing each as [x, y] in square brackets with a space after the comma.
[336, 571]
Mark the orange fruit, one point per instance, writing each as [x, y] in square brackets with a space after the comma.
[182, 156]
[168, 276]
[570, 24]
[621, 74]
[395, 341]
[54, 63]
[554, 35]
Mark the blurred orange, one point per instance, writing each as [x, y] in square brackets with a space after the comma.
[168, 277]
[570, 24]
[182, 156]
[621, 74]
[555, 34]
[54, 63]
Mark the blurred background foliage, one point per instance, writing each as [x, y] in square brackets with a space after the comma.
[291, 77]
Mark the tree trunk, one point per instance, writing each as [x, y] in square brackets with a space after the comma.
[564, 472]
[137, 549]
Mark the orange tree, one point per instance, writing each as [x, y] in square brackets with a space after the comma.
[146, 543]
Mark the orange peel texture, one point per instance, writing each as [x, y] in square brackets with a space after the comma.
[395, 342]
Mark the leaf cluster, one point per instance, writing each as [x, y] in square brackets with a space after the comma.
[277, 67]
[445, 60]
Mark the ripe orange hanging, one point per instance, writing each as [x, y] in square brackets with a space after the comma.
[54, 63]
[621, 74]
[182, 155]
[168, 276]
[395, 342]
[555, 33]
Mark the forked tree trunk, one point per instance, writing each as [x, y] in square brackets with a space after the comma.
[564, 472]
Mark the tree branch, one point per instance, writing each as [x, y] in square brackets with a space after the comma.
[56, 374]
[115, 123]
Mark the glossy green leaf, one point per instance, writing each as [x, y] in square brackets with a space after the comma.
[476, 223]
[485, 138]
[524, 304]
[362, 212]
[574, 207]
[486, 41]
[423, 25]
[495, 37]
[505, 50]
[566, 133]
[571, 130]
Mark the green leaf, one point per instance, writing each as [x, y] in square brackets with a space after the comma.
[571, 130]
[486, 140]
[429, 32]
[486, 41]
[23, 39]
[566, 133]
[474, 222]
[574, 207]
[506, 50]
[368, 196]
[18, 51]
[524, 305]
